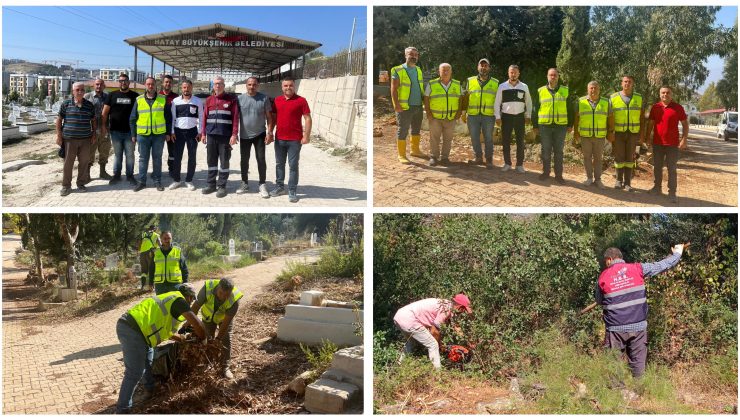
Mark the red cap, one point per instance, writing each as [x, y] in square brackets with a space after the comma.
[463, 301]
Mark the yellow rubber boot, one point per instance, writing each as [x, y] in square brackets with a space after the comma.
[401, 144]
[415, 151]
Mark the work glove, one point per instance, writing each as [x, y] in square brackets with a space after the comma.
[677, 248]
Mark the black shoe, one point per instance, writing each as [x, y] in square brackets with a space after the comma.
[139, 186]
[115, 179]
[655, 191]
[103, 173]
[444, 161]
[432, 162]
[560, 180]
[82, 188]
[65, 191]
[221, 192]
[209, 189]
[477, 161]
[543, 177]
[673, 198]
[131, 180]
[292, 196]
[159, 186]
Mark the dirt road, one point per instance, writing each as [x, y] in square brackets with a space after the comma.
[76, 367]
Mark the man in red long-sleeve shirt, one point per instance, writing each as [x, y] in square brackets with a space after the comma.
[219, 132]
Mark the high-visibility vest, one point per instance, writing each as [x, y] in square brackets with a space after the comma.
[481, 100]
[592, 121]
[148, 241]
[151, 118]
[404, 88]
[154, 317]
[626, 117]
[444, 103]
[553, 107]
[167, 268]
[207, 312]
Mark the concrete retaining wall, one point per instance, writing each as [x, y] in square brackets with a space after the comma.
[338, 107]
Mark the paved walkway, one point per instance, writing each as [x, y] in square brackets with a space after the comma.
[76, 367]
[325, 181]
[707, 177]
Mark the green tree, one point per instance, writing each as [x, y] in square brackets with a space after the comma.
[710, 99]
[727, 87]
[390, 27]
[573, 60]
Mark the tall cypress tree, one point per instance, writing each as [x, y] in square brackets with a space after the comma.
[573, 58]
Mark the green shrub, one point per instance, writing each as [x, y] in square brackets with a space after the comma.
[385, 351]
[244, 261]
[321, 359]
[213, 248]
[195, 254]
[207, 268]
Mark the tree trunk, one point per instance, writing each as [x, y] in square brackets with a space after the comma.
[69, 231]
[36, 251]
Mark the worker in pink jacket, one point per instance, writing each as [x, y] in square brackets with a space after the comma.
[421, 321]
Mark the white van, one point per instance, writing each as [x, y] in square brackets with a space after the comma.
[727, 127]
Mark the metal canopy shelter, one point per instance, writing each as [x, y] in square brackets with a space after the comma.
[222, 48]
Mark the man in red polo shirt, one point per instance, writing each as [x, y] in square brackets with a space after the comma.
[290, 135]
[664, 118]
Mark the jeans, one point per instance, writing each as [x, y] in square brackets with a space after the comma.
[154, 145]
[552, 137]
[245, 148]
[122, 142]
[165, 287]
[411, 117]
[290, 149]
[513, 123]
[137, 361]
[668, 156]
[475, 124]
[184, 138]
[218, 150]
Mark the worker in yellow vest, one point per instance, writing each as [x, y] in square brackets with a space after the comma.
[218, 302]
[442, 104]
[479, 97]
[552, 119]
[148, 243]
[407, 80]
[150, 123]
[629, 126]
[594, 123]
[143, 327]
[170, 268]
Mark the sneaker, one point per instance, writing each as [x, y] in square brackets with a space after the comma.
[628, 188]
[506, 167]
[190, 186]
[227, 373]
[432, 162]
[618, 185]
[209, 189]
[159, 186]
[599, 184]
[263, 191]
[82, 188]
[520, 169]
[279, 190]
[175, 185]
[132, 181]
[65, 191]
[444, 161]
[139, 186]
[560, 180]
[655, 191]
[243, 188]
[543, 177]
[221, 192]
[292, 196]
[476, 161]
[115, 179]
[588, 182]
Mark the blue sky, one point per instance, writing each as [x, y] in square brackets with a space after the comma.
[95, 34]
[726, 16]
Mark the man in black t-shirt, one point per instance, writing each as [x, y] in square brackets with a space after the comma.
[116, 111]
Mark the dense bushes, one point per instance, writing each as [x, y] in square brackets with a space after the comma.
[527, 273]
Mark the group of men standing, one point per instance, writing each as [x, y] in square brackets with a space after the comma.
[621, 119]
[172, 313]
[123, 118]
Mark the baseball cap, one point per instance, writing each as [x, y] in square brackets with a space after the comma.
[463, 301]
[484, 59]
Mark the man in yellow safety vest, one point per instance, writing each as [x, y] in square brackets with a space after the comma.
[442, 105]
[479, 99]
[594, 123]
[150, 123]
[170, 268]
[552, 119]
[628, 108]
[406, 93]
[149, 242]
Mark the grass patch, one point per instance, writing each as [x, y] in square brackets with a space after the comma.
[211, 267]
[41, 155]
[331, 263]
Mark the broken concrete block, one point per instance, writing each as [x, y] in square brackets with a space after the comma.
[298, 384]
[312, 298]
[322, 314]
[349, 360]
[329, 397]
[342, 376]
[312, 332]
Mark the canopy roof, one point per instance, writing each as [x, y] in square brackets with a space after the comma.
[223, 48]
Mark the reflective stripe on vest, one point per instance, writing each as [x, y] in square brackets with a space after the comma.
[154, 317]
[167, 268]
[404, 88]
[151, 118]
[626, 117]
[623, 288]
[148, 241]
[481, 100]
[207, 312]
[444, 103]
[592, 121]
[215, 116]
[553, 107]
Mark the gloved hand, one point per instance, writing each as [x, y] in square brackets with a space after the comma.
[677, 248]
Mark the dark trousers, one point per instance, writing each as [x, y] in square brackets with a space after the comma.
[290, 150]
[410, 118]
[146, 260]
[633, 344]
[78, 149]
[165, 287]
[170, 158]
[184, 138]
[245, 148]
[226, 350]
[668, 156]
[218, 150]
[514, 123]
[623, 150]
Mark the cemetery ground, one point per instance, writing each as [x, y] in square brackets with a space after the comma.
[68, 360]
[707, 175]
[32, 174]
